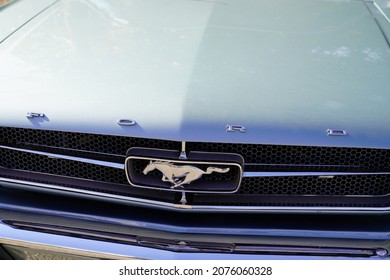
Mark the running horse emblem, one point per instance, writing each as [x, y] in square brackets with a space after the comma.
[181, 175]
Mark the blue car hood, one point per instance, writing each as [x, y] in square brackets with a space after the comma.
[183, 70]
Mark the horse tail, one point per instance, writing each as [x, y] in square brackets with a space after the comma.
[216, 169]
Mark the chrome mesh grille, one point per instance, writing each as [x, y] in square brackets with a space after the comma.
[314, 185]
[301, 155]
[253, 190]
[252, 153]
[308, 185]
[42, 164]
[98, 143]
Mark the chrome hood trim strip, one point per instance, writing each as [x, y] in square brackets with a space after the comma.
[381, 11]
[28, 20]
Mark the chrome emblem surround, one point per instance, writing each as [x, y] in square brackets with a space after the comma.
[180, 175]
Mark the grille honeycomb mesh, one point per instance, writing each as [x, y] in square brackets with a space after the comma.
[117, 145]
[301, 155]
[261, 154]
[302, 185]
[356, 185]
[43, 164]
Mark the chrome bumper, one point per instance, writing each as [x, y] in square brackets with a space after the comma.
[106, 250]
[93, 249]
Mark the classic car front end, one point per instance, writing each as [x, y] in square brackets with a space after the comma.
[194, 129]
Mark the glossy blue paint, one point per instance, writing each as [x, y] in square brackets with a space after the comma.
[286, 70]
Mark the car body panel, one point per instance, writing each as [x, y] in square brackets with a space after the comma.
[287, 79]
[15, 14]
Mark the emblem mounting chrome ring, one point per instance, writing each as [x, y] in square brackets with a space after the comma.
[162, 170]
